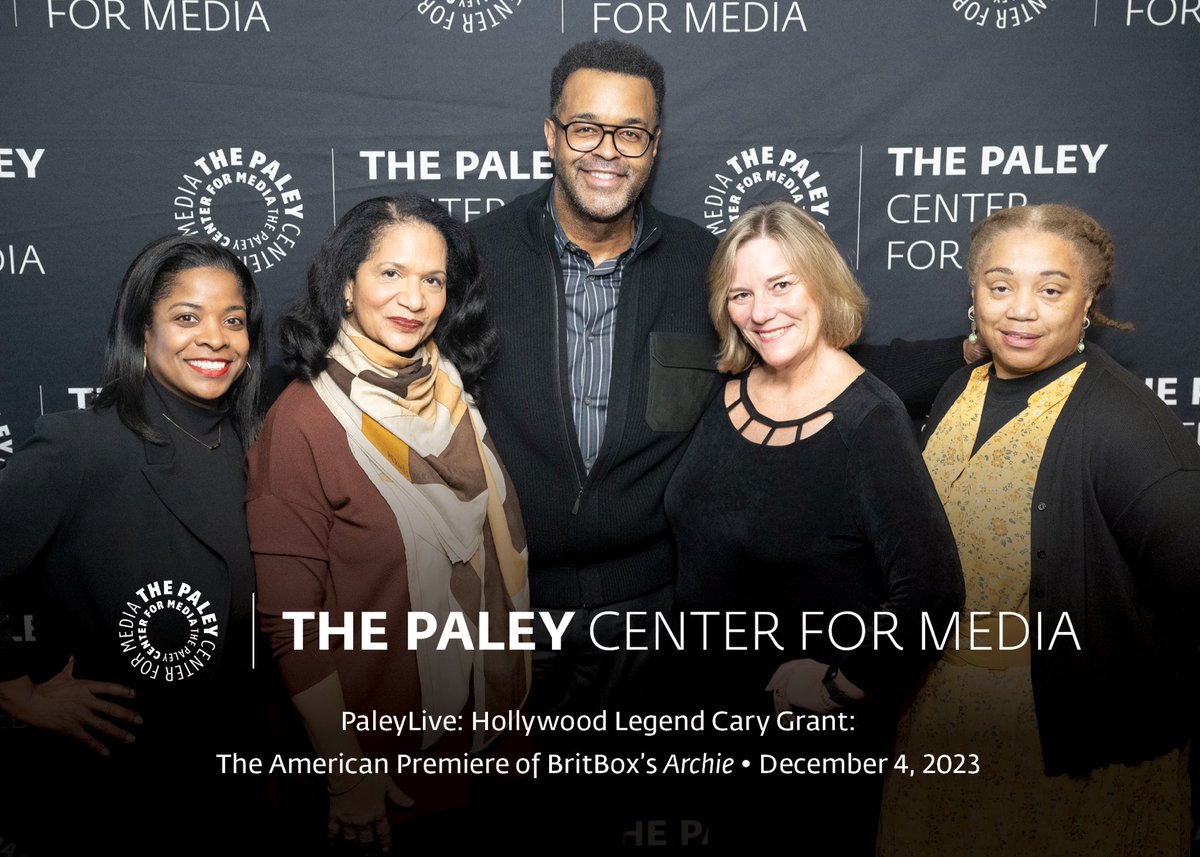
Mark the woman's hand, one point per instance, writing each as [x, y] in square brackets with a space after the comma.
[358, 816]
[357, 803]
[802, 683]
[799, 683]
[72, 707]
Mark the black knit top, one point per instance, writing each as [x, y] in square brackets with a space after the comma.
[845, 519]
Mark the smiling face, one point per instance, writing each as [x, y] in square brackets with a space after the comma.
[601, 185]
[1031, 297]
[196, 342]
[771, 307]
[399, 291]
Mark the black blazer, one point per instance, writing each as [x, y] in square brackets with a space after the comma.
[90, 515]
[96, 522]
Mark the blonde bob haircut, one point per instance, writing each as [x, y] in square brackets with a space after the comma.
[811, 255]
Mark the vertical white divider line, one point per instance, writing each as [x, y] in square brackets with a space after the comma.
[858, 235]
[253, 627]
[333, 182]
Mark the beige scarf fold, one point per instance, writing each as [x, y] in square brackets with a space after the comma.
[420, 440]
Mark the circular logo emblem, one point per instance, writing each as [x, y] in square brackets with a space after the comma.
[168, 631]
[6, 440]
[1001, 14]
[243, 200]
[763, 174]
[467, 16]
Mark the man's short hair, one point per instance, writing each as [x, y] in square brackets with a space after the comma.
[609, 55]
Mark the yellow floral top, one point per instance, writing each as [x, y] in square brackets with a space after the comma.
[976, 711]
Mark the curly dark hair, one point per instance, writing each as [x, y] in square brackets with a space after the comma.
[609, 55]
[464, 333]
[150, 277]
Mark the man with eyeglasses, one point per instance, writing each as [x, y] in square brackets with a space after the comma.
[606, 363]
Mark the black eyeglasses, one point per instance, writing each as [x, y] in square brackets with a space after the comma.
[629, 140]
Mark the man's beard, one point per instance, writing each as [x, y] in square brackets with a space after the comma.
[586, 211]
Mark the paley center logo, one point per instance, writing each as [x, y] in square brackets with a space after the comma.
[245, 201]
[6, 440]
[467, 16]
[469, 167]
[1000, 14]
[168, 630]
[763, 174]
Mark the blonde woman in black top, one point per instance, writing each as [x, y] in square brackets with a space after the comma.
[803, 491]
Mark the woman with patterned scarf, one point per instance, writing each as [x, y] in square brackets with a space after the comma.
[375, 489]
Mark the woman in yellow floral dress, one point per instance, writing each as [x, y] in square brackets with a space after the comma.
[1072, 492]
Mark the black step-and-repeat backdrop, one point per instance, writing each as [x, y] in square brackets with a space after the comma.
[897, 125]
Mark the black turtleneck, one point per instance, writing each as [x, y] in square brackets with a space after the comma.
[1007, 397]
[218, 479]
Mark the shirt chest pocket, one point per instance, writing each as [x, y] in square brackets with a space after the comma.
[683, 378]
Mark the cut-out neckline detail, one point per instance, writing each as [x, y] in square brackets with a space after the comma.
[757, 420]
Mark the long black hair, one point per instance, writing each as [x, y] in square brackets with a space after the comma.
[151, 276]
[464, 333]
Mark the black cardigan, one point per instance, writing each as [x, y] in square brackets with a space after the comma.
[1115, 543]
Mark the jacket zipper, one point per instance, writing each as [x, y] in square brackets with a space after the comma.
[558, 385]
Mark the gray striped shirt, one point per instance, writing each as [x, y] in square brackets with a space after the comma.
[591, 297]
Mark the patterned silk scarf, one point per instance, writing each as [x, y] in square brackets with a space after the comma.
[420, 440]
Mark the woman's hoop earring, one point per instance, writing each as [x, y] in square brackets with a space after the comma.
[974, 337]
[1081, 347]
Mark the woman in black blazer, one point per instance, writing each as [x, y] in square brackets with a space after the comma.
[125, 537]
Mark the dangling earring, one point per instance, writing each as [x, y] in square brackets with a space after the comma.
[349, 306]
[143, 362]
[1087, 322]
[974, 337]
